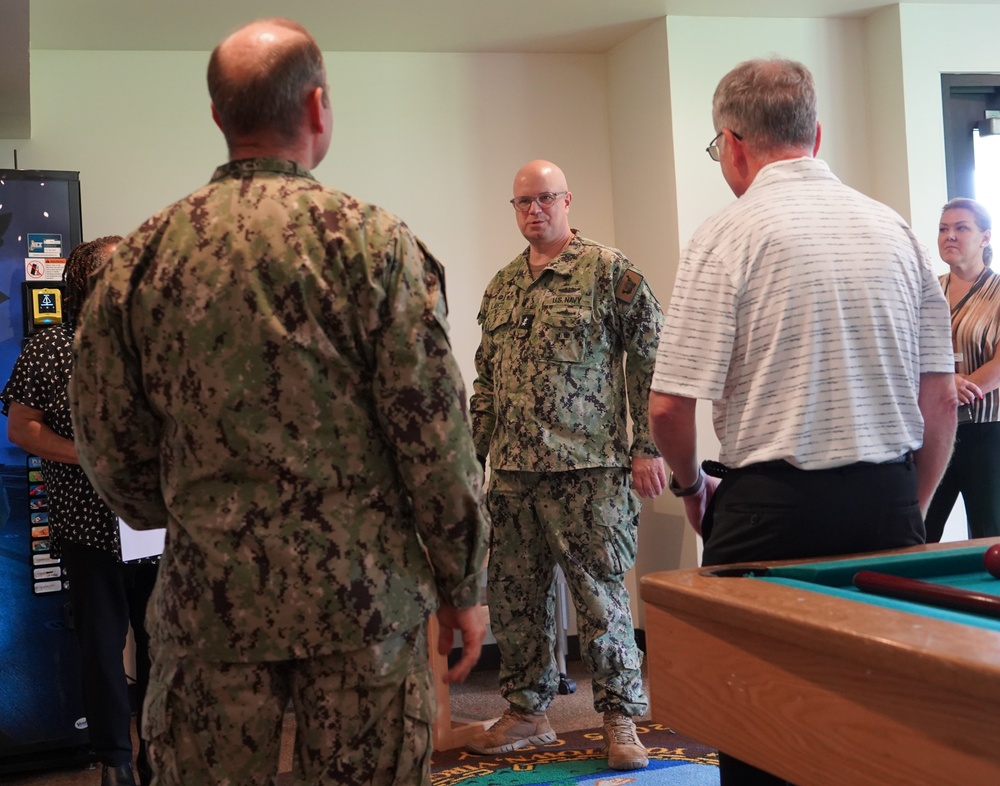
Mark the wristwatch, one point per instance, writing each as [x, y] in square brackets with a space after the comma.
[694, 488]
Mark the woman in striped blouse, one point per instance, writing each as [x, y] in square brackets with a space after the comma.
[973, 292]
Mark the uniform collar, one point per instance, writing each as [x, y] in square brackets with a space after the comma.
[562, 265]
[248, 167]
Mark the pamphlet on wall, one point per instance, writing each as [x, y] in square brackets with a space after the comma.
[139, 543]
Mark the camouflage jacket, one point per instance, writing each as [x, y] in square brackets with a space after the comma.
[551, 391]
[264, 368]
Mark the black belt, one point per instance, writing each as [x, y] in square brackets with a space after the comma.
[718, 470]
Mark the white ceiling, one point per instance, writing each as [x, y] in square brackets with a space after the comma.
[561, 26]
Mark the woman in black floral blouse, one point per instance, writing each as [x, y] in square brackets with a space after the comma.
[106, 593]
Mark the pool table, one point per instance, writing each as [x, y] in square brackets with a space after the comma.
[788, 667]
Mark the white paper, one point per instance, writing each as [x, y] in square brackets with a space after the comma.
[139, 543]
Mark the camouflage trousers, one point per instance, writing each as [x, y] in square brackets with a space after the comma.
[363, 717]
[586, 521]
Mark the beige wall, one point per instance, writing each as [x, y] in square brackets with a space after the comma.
[645, 204]
[435, 138]
[889, 167]
[703, 49]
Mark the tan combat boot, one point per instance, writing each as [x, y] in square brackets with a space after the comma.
[516, 729]
[621, 743]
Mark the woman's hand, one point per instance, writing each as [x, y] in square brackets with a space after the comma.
[967, 391]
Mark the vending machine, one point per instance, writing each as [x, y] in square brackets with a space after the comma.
[42, 720]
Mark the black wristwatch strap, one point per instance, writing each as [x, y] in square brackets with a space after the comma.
[694, 488]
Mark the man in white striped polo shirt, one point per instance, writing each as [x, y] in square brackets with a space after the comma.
[810, 315]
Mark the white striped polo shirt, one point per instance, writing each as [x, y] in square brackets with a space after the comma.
[806, 311]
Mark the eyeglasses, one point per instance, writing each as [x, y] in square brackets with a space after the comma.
[545, 199]
[713, 147]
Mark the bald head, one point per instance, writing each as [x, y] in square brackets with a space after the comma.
[540, 172]
[260, 76]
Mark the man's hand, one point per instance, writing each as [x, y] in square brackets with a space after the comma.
[696, 504]
[472, 625]
[649, 477]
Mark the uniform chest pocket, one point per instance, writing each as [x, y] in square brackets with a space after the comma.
[497, 319]
[562, 333]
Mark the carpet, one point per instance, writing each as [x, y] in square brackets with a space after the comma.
[575, 758]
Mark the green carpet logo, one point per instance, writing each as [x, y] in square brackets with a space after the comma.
[555, 765]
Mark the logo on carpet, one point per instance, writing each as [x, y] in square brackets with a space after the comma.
[583, 764]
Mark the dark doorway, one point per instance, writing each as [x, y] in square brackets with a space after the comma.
[967, 100]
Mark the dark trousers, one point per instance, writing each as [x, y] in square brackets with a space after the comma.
[106, 596]
[774, 511]
[974, 472]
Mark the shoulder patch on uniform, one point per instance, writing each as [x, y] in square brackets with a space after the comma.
[628, 286]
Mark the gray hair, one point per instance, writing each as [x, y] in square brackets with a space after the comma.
[770, 103]
[979, 214]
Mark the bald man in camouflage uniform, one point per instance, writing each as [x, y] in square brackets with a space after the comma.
[549, 409]
[264, 368]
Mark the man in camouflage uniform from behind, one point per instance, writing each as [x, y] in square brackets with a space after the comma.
[549, 409]
[264, 368]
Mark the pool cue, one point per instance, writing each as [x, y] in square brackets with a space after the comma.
[925, 592]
